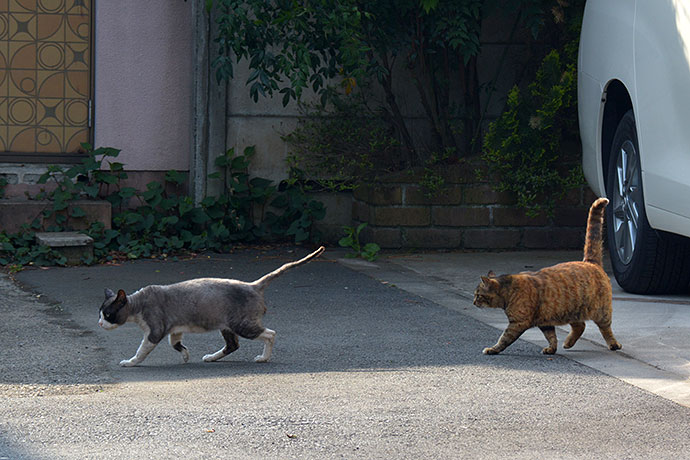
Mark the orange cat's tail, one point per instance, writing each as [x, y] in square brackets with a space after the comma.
[595, 229]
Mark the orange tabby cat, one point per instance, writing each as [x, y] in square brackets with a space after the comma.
[567, 293]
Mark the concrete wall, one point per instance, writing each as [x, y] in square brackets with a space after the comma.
[143, 82]
[262, 123]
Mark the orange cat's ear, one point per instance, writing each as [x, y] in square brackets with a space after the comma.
[491, 274]
[490, 280]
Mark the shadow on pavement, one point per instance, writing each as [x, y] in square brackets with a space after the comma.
[328, 318]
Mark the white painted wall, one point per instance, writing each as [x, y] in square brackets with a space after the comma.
[143, 82]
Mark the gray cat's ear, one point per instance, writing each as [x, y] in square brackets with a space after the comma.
[109, 293]
[121, 296]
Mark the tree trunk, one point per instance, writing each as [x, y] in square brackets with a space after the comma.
[469, 81]
[396, 115]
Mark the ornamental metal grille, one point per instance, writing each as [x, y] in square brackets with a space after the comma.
[45, 79]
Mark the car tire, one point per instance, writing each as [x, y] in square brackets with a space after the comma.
[644, 260]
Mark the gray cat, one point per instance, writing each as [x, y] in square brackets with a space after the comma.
[199, 305]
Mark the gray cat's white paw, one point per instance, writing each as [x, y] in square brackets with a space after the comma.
[185, 356]
[128, 363]
[209, 358]
[261, 359]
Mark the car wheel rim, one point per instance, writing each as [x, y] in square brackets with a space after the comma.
[627, 202]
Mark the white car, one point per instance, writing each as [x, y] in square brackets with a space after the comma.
[634, 115]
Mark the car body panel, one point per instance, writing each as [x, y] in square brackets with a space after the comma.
[662, 109]
[605, 55]
[645, 46]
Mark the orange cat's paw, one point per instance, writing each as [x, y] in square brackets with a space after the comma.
[490, 351]
[549, 351]
[615, 346]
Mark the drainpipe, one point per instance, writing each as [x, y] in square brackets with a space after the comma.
[209, 121]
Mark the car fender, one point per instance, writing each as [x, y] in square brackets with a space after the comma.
[605, 55]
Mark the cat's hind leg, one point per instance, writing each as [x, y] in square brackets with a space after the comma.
[607, 334]
[176, 342]
[268, 336]
[232, 343]
[576, 330]
[550, 334]
[253, 330]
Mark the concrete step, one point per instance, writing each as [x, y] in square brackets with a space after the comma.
[73, 245]
[15, 212]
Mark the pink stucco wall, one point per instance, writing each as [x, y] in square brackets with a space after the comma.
[143, 82]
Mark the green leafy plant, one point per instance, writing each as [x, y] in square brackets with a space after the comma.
[531, 150]
[157, 221]
[524, 148]
[351, 240]
[344, 146]
[3, 184]
[87, 180]
[20, 250]
[298, 211]
[240, 197]
[433, 183]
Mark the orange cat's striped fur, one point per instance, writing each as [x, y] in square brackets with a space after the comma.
[567, 293]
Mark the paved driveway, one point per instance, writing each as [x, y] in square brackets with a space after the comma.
[361, 369]
[654, 330]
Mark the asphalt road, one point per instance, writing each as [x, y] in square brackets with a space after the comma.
[360, 369]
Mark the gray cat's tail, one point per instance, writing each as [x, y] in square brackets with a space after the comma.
[595, 233]
[262, 282]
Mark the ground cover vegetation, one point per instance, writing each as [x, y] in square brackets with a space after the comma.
[158, 222]
[368, 251]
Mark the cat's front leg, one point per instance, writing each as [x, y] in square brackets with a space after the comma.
[510, 335]
[144, 349]
[550, 334]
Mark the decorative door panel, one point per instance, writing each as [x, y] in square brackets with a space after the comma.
[45, 79]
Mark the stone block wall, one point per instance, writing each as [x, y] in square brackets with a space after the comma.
[465, 214]
[16, 212]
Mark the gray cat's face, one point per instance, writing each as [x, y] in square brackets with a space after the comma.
[112, 314]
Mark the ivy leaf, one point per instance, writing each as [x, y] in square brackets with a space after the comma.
[301, 235]
[77, 211]
[175, 177]
[170, 220]
[161, 242]
[199, 216]
[185, 206]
